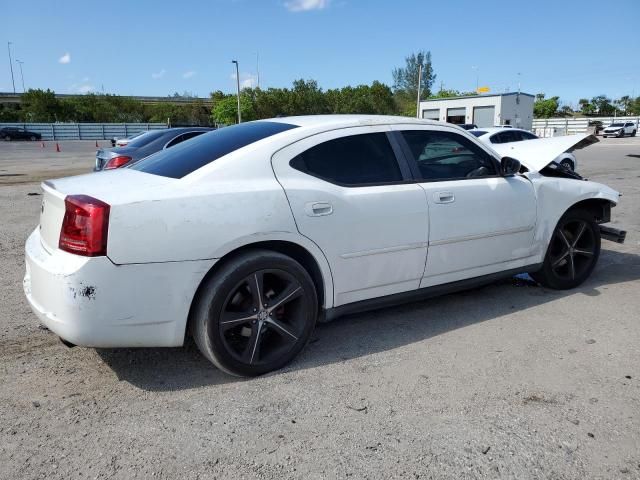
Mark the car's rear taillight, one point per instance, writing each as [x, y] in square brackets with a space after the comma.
[85, 226]
[117, 162]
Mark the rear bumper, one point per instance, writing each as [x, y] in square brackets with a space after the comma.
[94, 303]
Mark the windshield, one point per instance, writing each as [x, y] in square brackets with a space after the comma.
[477, 133]
[145, 138]
[187, 157]
[617, 125]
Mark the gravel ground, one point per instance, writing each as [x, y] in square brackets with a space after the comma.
[506, 381]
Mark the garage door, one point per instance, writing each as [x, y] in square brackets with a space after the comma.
[484, 116]
[431, 114]
[456, 115]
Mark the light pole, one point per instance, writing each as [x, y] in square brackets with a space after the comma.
[20, 62]
[419, 87]
[238, 89]
[11, 66]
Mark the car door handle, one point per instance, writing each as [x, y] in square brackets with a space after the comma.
[318, 209]
[444, 197]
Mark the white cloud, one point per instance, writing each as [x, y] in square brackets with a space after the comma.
[247, 80]
[159, 74]
[188, 74]
[66, 58]
[305, 5]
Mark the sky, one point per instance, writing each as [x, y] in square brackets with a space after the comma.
[572, 49]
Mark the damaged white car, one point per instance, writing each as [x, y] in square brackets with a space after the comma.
[248, 235]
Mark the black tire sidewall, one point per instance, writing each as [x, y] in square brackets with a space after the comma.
[211, 300]
[547, 277]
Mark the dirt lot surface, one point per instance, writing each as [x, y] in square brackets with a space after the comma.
[506, 381]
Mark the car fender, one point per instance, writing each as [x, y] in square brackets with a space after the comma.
[289, 237]
[557, 195]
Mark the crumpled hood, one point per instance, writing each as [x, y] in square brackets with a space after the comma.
[537, 154]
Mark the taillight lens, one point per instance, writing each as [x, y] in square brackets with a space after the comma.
[117, 162]
[85, 226]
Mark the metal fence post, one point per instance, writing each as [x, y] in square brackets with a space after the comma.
[53, 131]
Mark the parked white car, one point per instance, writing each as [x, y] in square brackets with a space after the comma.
[620, 129]
[500, 135]
[246, 235]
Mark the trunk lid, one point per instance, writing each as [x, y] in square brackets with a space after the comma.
[113, 187]
[537, 154]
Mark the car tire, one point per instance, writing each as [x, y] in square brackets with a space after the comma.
[568, 164]
[621, 134]
[7, 138]
[33, 138]
[633, 134]
[572, 253]
[246, 337]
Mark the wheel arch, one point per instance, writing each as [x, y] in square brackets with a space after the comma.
[600, 208]
[313, 262]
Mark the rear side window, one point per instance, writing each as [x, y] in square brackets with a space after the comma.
[187, 157]
[477, 133]
[357, 160]
[145, 138]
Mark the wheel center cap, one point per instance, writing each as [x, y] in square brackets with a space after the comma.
[262, 315]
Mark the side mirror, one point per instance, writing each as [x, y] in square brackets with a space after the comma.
[509, 166]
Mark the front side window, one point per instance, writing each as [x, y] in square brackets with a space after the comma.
[448, 155]
[356, 160]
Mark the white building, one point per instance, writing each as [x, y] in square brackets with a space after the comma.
[482, 110]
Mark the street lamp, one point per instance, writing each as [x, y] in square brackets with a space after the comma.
[238, 89]
[11, 66]
[20, 62]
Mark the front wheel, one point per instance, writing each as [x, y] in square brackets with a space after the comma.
[7, 138]
[255, 314]
[572, 253]
[33, 138]
[633, 134]
[621, 134]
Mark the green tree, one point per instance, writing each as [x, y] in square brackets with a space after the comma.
[623, 104]
[545, 108]
[405, 81]
[39, 106]
[603, 105]
[586, 108]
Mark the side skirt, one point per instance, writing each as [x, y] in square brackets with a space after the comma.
[421, 293]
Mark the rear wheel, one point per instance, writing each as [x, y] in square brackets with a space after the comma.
[633, 134]
[33, 138]
[255, 314]
[7, 138]
[572, 253]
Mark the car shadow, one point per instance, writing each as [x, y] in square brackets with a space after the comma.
[352, 336]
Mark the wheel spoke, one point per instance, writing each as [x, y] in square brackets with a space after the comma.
[252, 350]
[290, 293]
[233, 319]
[564, 238]
[583, 227]
[558, 260]
[279, 327]
[572, 267]
[257, 289]
[586, 253]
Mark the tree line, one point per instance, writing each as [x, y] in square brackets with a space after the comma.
[600, 106]
[305, 97]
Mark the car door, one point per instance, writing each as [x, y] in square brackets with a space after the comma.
[479, 221]
[352, 195]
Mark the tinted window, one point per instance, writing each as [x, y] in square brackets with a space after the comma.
[187, 157]
[477, 133]
[175, 141]
[355, 160]
[145, 138]
[528, 136]
[447, 155]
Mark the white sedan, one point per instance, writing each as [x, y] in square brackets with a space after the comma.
[500, 135]
[245, 236]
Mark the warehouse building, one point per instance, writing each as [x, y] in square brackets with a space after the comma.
[515, 109]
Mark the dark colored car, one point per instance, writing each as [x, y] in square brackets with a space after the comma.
[144, 145]
[468, 126]
[599, 126]
[16, 133]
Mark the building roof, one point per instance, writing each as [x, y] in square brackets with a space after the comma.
[477, 96]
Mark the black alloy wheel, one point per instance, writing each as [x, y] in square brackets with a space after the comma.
[572, 253]
[255, 314]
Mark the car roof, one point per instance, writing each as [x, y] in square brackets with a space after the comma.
[492, 130]
[339, 121]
